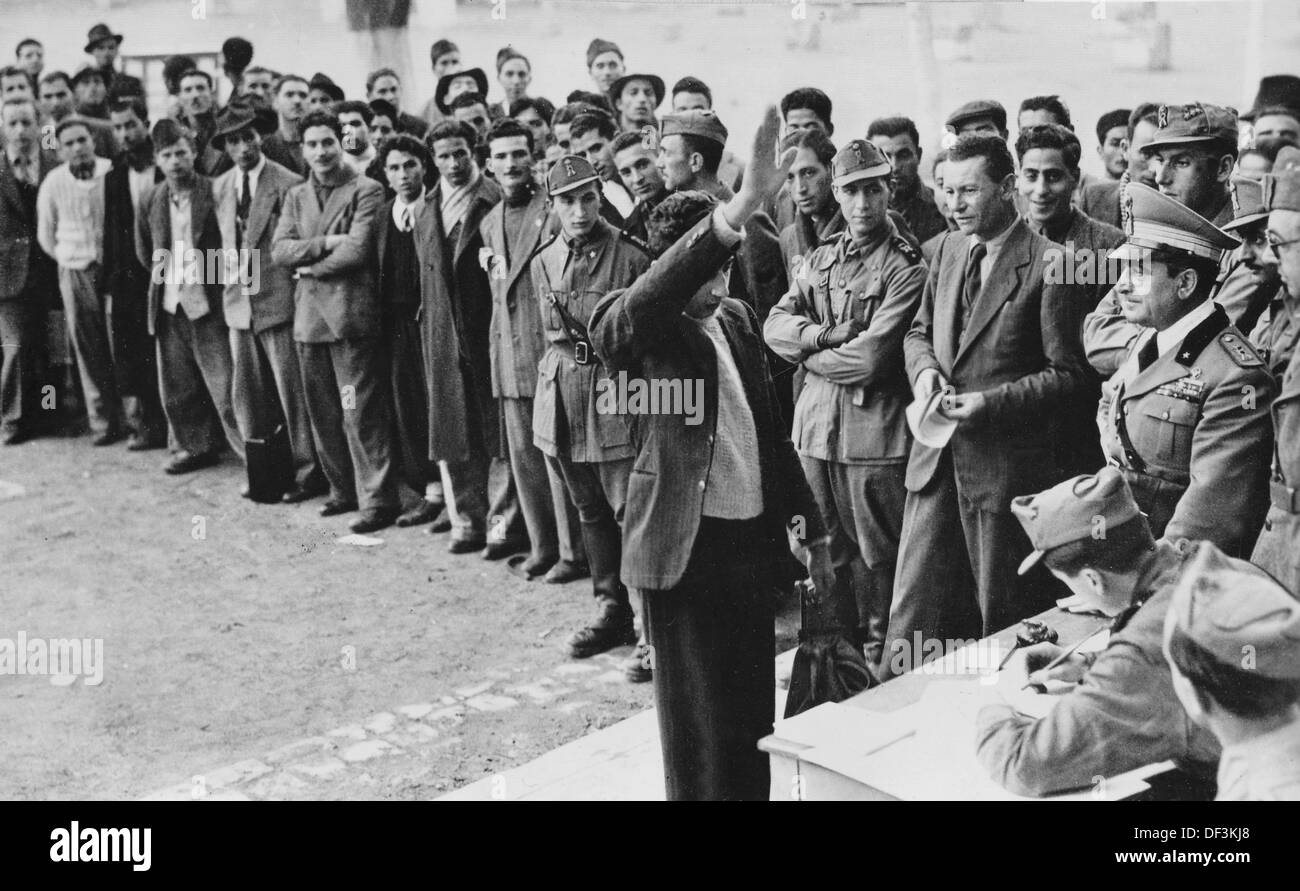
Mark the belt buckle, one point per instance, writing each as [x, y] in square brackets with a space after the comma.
[582, 353]
[1284, 497]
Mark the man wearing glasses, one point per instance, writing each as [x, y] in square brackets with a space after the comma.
[1185, 417]
[1278, 550]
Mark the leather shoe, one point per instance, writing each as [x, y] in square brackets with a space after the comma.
[108, 437]
[499, 550]
[188, 462]
[374, 520]
[299, 494]
[566, 571]
[335, 507]
[612, 629]
[137, 443]
[16, 436]
[440, 525]
[466, 545]
[424, 512]
[528, 567]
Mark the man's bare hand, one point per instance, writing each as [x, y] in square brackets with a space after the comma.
[926, 383]
[764, 174]
[962, 406]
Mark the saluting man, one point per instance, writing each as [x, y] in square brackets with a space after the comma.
[1186, 416]
[844, 318]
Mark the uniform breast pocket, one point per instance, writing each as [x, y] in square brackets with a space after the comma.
[1170, 424]
[544, 403]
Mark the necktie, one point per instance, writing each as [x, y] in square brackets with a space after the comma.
[970, 284]
[407, 221]
[1148, 354]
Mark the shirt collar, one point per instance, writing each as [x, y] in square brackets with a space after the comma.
[1172, 336]
[414, 205]
[995, 243]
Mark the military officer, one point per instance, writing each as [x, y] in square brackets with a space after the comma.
[844, 318]
[1222, 609]
[1278, 549]
[1186, 415]
[1273, 334]
[590, 450]
[1122, 715]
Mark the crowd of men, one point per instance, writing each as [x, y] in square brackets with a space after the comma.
[493, 318]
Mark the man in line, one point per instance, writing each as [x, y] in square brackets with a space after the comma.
[1101, 200]
[198, 112]
[1186, 417]
[259, 82]
[535, 113]
[27, 276]
[897, 138]
[126, 186]
[844, 319]
[444, 59]
[1278, 548]
[635, 98]
[1122, 714]
[806, 108]
[102, 45]
[176, 234]
[405, 161]
[589, 449]
[711, 501]
[993, 328]
[456, 314]
[819, 217]
[981, 117]
[267, 385]
[1275, 113]
[326, 234]
[693, 94]
[635, 163]
[511, 232]
[591, 137]
[70, 229]
[604, 64]
[387, 85]
[1112, 130]
[29, 55]
[56, 102]
[290, 105]
[356, 117]
[92, 95]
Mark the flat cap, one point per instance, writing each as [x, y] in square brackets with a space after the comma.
[1076, 510]
[568, 173]
[980, 108]
[1247, 202]
[1238, 613]
[1282, 185]
[1194, 122]
[1153, 221]
[858, 160]
[696, 122]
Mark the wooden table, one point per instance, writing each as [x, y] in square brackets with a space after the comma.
[795, 778]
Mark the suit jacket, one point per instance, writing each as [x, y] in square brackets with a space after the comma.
[1019, 347]
[338, 297]
[455, 316]
[642, 329]
[1100, 200]
[23, 265]
[127, 279]
[516, 339]
[272, 304]
[153, 232]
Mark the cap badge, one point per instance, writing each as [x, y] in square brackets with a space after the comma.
[568, 168]
[1162, 117]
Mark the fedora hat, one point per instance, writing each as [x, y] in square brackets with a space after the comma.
[444, 84]
[99, 34]
[239, 116]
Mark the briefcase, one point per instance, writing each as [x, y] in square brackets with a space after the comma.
[829, 665]
[270, 466]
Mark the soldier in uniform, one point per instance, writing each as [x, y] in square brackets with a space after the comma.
[1250, 224]
[1122, 715]
[1278, 549]
[1186, 415]
[591, 451]
[1221, 609]
[844, 318]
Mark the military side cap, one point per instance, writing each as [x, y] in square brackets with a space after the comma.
[1076, 510]
[1153, 221]
[598, 47]
[980, 108]
[1282, 186]
[696, 122]
[1238, 613]
[1247, 202]
[858, 160]
[1194, 122]
[570, 172]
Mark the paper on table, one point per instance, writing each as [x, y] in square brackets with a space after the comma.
[843, 726]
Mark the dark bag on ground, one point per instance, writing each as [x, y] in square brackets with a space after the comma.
[828, 666]
[270, 466]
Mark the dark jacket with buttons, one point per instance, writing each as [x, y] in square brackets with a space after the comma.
[642, 330]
